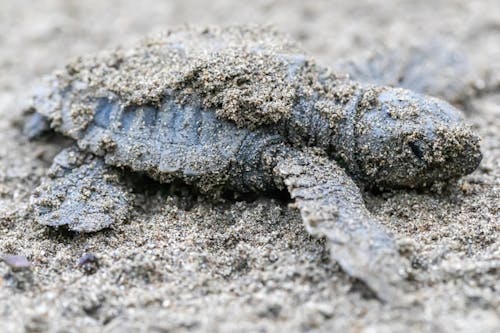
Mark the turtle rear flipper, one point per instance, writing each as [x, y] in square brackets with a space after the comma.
[36, 126]
[80, 192]
[331, 205]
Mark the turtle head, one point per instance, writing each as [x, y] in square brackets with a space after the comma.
[405, 139]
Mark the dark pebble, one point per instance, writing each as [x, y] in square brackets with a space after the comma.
[88, 263]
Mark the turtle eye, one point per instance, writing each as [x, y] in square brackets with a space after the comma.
[416, 149]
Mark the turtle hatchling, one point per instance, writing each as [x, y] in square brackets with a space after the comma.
[242, 110]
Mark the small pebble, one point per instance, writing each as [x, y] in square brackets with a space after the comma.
[89, 263]
[16, 262]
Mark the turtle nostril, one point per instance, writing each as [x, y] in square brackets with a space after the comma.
[416, 149]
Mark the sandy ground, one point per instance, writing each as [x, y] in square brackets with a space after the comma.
[182, 264]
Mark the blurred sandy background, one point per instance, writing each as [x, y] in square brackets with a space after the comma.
[185, 265]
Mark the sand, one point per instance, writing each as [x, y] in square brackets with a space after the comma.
[184, 264]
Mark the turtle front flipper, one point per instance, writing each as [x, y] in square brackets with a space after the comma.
[80, 192]
[434, 67]
[331, 205]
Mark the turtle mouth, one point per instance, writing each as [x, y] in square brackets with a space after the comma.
[455, 152]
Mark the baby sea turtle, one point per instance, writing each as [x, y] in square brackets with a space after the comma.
[242, 110]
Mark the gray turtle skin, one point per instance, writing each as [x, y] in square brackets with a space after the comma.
[321, 149]
[434, 67]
